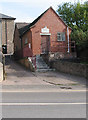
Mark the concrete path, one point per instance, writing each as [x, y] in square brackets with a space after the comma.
[16, 75]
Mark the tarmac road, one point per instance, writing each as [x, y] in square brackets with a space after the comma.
[63, 104]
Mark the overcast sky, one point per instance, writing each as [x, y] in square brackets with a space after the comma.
[28, 10]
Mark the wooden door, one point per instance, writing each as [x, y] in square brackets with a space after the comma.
[45, 44]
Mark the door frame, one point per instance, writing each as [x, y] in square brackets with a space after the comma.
[47, 43]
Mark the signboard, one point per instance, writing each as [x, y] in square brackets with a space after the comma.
[45, 30]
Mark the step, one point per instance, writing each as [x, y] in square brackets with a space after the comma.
[40, 64]
[44, 70]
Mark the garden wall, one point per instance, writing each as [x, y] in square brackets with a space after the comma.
[28, 64]
[71, 68]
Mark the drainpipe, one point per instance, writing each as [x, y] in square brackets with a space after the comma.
[68, 39]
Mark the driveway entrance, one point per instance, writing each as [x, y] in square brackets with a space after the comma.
[18, 75]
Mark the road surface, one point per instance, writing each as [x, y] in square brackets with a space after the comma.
[71, 104]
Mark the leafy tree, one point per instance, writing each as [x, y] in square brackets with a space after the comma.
[76, 16]
[65, 11]
[81, 38]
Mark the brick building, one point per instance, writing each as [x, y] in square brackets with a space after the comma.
[6, 33]
[46, 35]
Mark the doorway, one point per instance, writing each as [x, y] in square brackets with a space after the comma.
[45, 44]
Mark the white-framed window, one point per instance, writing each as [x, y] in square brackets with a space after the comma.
[26, 40]
[61, 36]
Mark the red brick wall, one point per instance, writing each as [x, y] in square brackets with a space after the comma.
[55, 25]
[26, 50]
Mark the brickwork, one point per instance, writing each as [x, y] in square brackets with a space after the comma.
[33, 46]
[51, 20]
[27, 50]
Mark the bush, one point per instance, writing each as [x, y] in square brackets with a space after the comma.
[81, 40]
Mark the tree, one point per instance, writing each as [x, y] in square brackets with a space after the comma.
[65, 11]
[76, 16]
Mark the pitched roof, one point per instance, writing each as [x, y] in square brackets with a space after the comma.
[2, 16]
[26, 28]
[21, 24]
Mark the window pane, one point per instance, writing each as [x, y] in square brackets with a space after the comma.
[26, 41]
[59, 36]
[63, 37]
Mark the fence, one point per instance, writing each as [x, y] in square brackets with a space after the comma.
[33, 59]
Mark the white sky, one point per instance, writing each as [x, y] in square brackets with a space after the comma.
[28, 10]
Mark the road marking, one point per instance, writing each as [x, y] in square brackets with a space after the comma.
[10, 104]
[27, 91]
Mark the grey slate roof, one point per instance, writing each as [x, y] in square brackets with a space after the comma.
[2, 16]
[21, 24]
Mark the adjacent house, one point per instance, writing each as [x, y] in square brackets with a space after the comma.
[6, 34]
[17, 38]
[47, 35]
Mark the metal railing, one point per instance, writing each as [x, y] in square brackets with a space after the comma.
[33, 59]
[58, 46]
